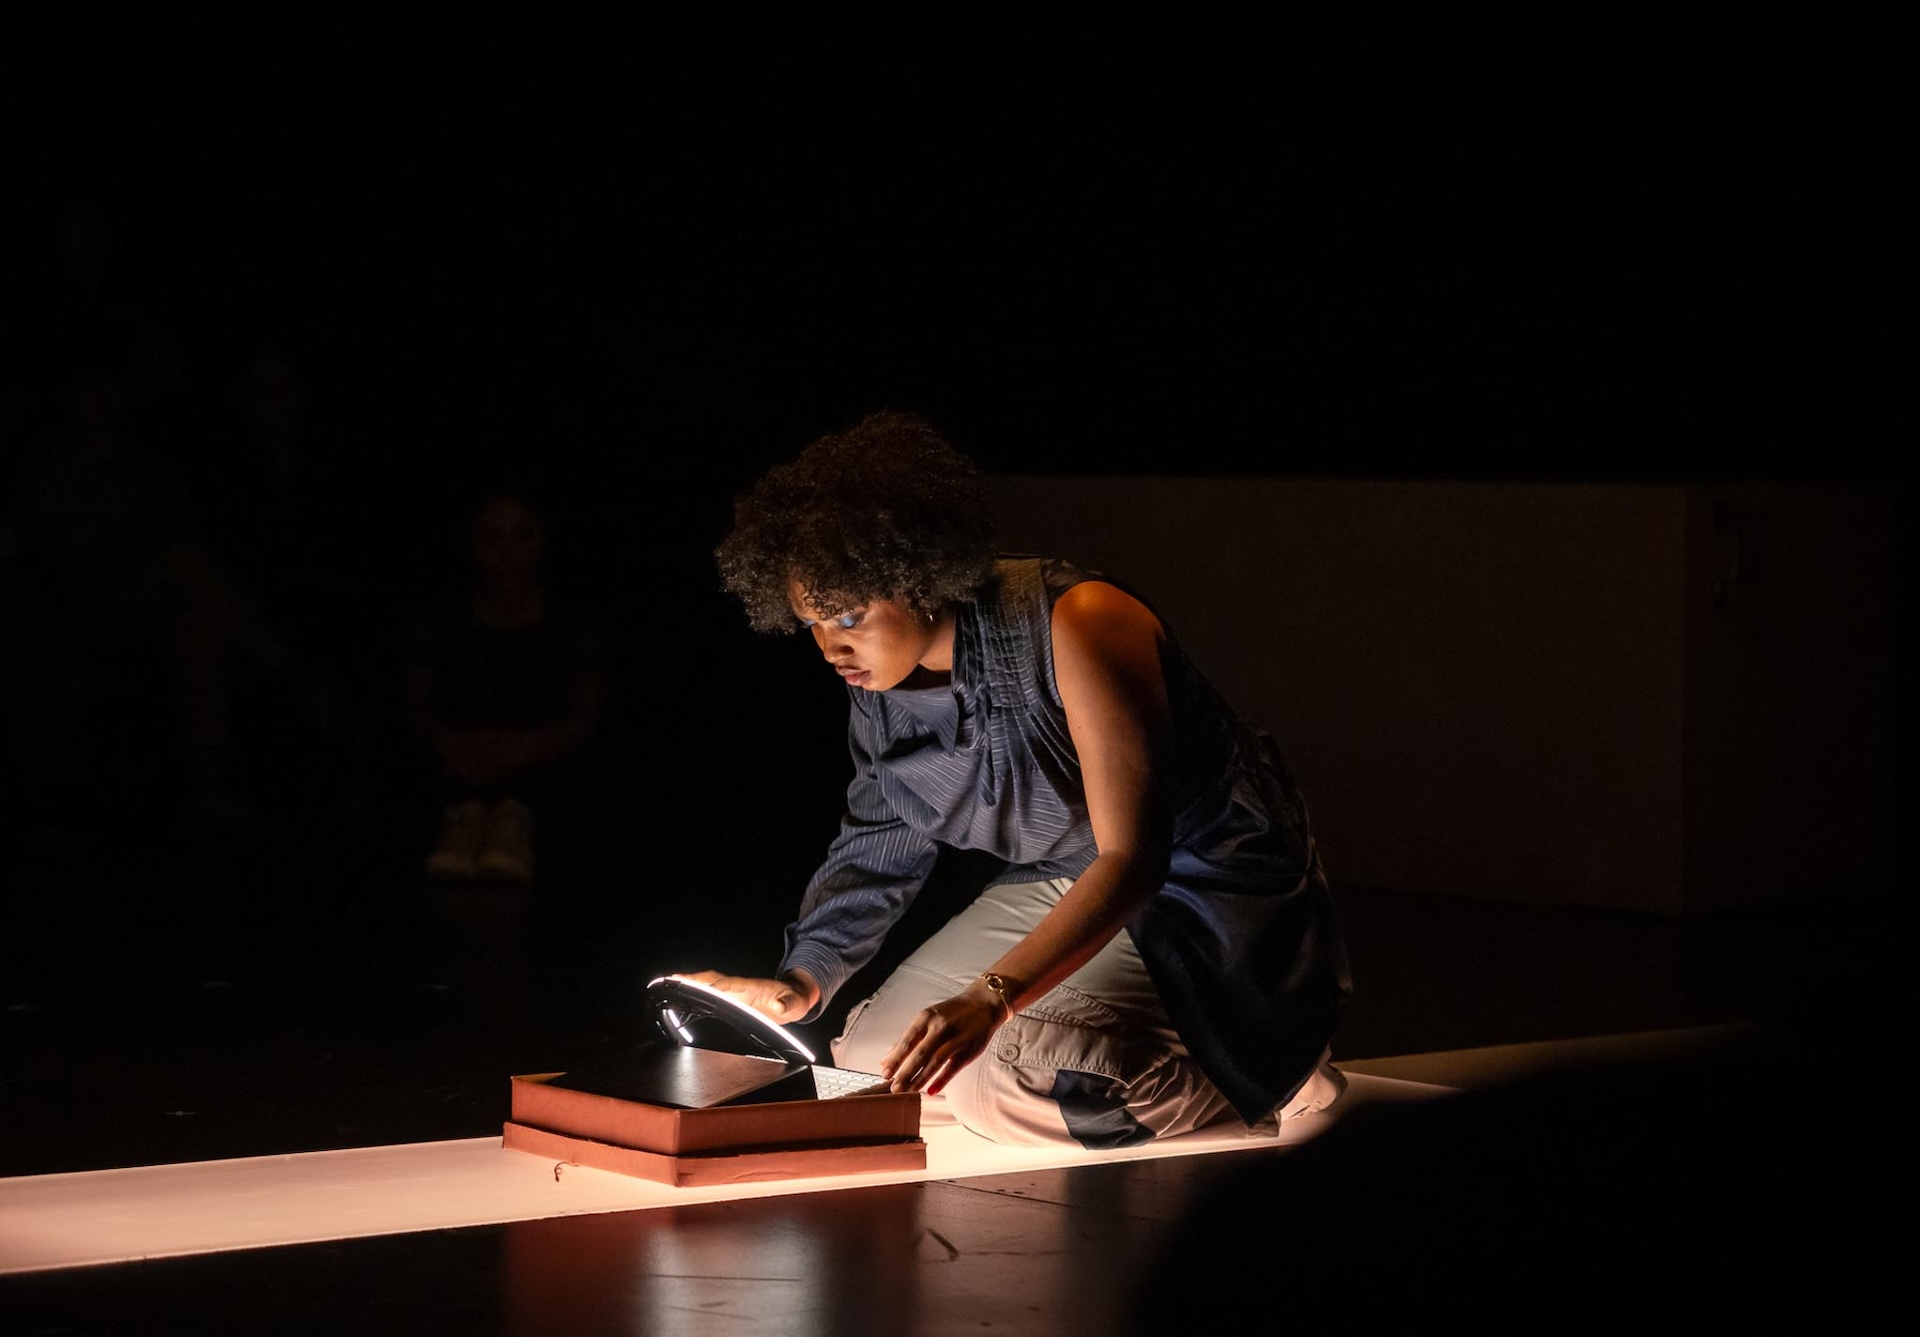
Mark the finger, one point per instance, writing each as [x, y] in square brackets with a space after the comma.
[782, 1001]
[941, 1078]
[953, 1058]
[921, 1063]
[713, 979]
[902, 1062]
[890, 1061]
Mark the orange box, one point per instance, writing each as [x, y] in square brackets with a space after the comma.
[740, 1165]
[717, 1144]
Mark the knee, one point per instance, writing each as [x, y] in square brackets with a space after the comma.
[1006, 1103]
[1048, 1083]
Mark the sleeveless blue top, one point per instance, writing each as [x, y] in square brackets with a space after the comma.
[1242, 941]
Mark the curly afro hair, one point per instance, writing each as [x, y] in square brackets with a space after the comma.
[886, 509]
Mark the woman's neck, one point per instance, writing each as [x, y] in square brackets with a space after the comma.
[935, 668]
[511, 604]
[937, 658]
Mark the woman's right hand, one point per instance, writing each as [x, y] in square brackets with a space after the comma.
[784, 999]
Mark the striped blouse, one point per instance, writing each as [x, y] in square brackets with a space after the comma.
[1242, 941]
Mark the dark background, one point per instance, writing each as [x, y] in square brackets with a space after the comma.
[646, 259]
[1566, 244]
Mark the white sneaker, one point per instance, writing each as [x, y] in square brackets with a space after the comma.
[506, 845]
[455, 853]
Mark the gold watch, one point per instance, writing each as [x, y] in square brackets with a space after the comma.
[999, 986]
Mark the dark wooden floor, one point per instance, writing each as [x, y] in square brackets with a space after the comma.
[156, 1020]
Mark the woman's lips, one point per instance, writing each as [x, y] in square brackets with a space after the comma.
[855, 677]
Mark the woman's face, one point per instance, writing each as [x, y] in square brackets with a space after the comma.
[506, 540]
[879, 645]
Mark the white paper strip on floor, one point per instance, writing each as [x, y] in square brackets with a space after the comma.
[110, 1216]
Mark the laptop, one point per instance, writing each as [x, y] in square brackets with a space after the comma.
[712, 1049]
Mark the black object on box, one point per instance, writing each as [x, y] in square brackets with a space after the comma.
[721, 1095]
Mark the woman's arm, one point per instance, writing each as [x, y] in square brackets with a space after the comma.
[1106, 659]
[873, 870]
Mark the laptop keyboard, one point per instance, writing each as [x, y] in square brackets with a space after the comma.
[831, 1082]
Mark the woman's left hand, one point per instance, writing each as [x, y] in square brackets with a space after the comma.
[943, 1039]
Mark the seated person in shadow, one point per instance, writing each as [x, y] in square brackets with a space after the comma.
[506, 684]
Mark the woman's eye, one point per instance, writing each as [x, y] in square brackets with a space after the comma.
[848, 620]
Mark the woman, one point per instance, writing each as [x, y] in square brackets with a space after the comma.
[1159, 951]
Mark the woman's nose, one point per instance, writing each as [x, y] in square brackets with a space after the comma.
[824, 637]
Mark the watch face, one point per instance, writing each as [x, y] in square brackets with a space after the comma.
[702, 1017]
[998, 988]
